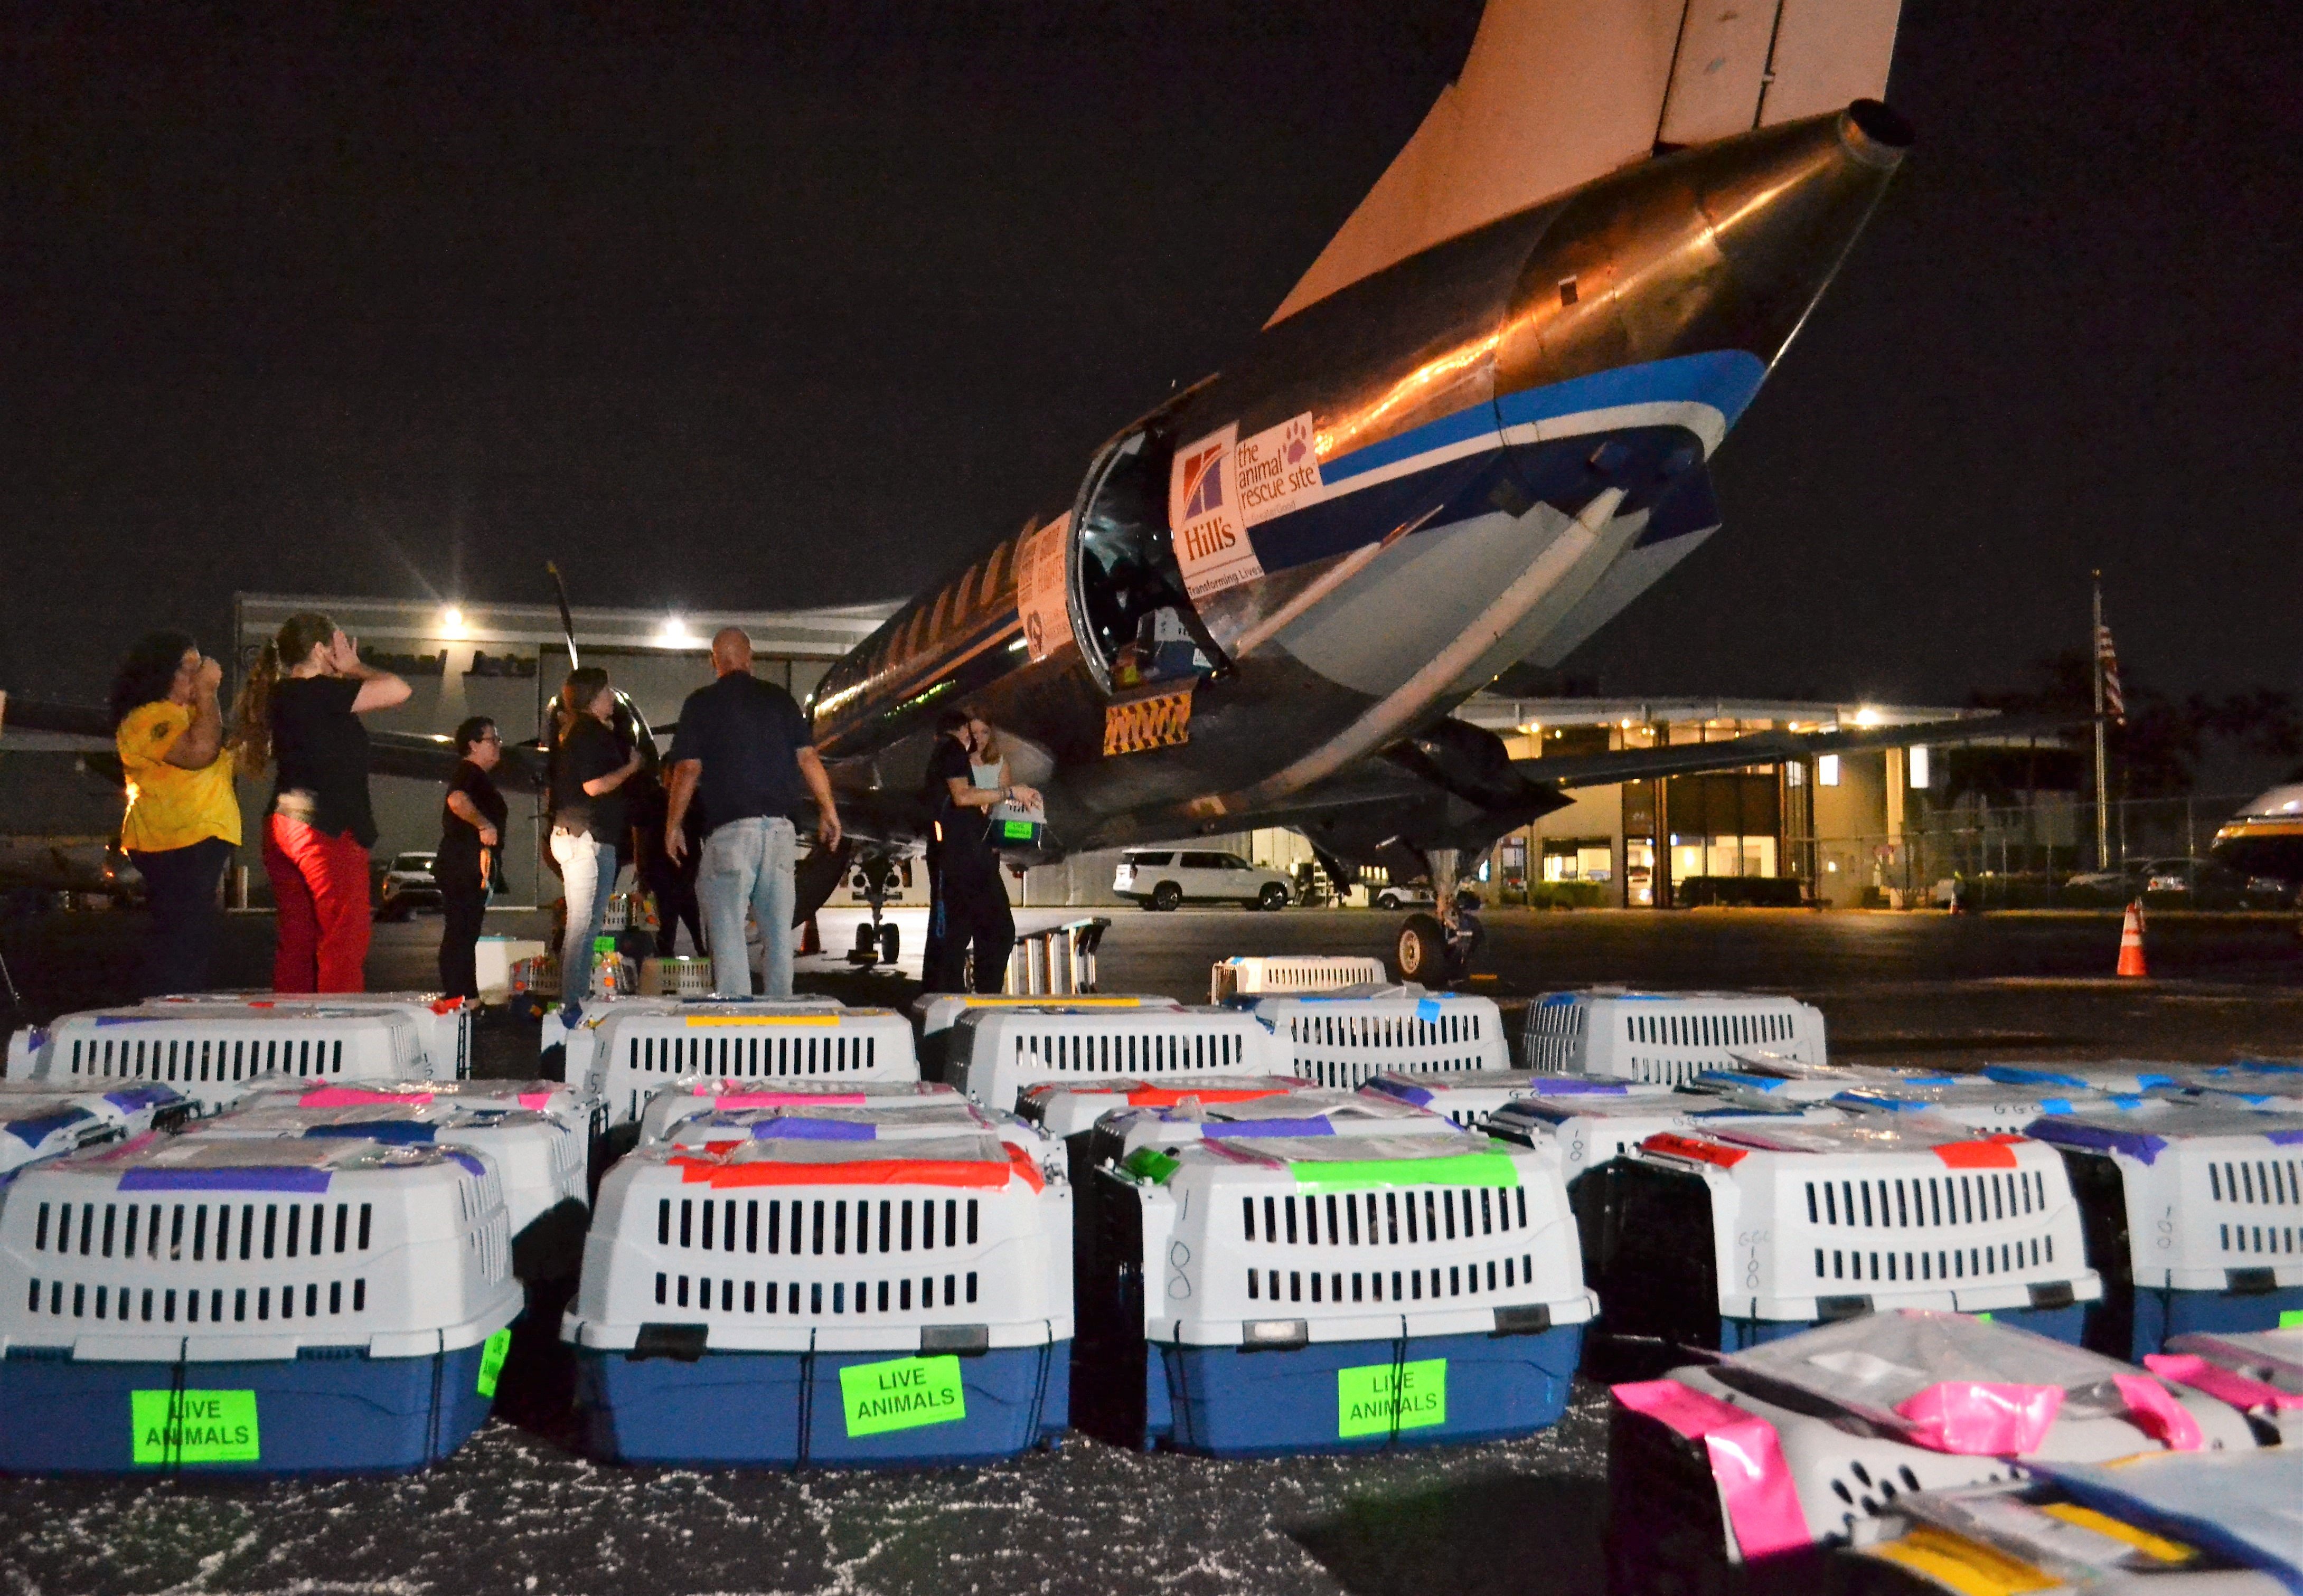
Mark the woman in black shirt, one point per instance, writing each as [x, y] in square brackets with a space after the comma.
[471, 851]
[300, 709]
[589, 768]
[970, 929]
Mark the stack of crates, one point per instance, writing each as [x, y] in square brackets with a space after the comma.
[639, 1049]
[1668, 1037]
[211, 1056]
[218, 1305]
[444, 1022]
[38, 1121]
[1342, 1038]
[937, 1012]
[1468, 1101]
[705, 1096]
[2194, 1216]
[800, 1301]
[1732, 1235]
[1238, 977]
[1330, 1293]
[999, 1053]
[1809, 1440]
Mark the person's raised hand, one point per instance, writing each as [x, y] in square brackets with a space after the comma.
[208, 678]
[344, 653]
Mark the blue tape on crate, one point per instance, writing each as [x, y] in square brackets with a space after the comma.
[144, 1097]
[1318, 1126]
[795, 1129]
[1427, 1008]
[1569, 1085]
[2031, 1075]
[468, 1162]
[398, 1133]
[33, 1132]
[275, 1178]
[2103, 1138]
[103, 1021]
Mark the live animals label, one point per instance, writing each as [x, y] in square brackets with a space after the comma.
[493, 1353]
[903, 1394]
[194, 1427]
[1377, 1398]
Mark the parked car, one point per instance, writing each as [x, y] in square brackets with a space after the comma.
[1415, 894]
[1163, 878]
[406, 885]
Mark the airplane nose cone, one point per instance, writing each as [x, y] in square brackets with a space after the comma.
[1724, 246]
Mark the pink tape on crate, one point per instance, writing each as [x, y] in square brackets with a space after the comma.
[536, 1099]
[2225, 1385]
[2153, 1409]
[785, 1099]
[1747, 1462]
[353, 1097]
[1981, 1418]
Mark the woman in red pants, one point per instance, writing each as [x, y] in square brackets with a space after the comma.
[300, 711]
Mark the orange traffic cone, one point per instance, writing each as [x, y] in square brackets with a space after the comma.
[2130, 944]
[810, 941]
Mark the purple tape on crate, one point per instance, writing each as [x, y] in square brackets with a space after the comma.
[275, 1178]
[1318, 1126]
[32, 1132]
[468, 1161]
[104, 1019]
[398, 1133]
[144, 1097]
[2134, 1144]
[1569, 1085]
[1419, 1096]
[795, 1129]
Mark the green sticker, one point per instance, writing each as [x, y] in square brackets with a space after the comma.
[194, 1426]
[1456, 1169]
[902, 1394]
[1018, 830]
[2290, 1319]
[493, 1353]
[1378, 1399]
[1983, 1318]
[1152, 1164]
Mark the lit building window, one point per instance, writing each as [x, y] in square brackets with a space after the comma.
[1919, 764]
[1794, 776]
[1827, 771]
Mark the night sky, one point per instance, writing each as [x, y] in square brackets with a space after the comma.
[724, 309]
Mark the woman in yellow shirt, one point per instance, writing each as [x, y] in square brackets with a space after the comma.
[184, 818]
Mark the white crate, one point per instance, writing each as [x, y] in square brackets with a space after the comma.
[828, 1122]
[1064, 1108]
[571, 1031]
[1240, 977]
[211, 1057]
[541, 1161]
[218, 1249]
[445, 1023]
[829, 1247]
[1770, 1081]
[1667, 1036]
[705, 1095]
[2127, 1077]
[1845, 1449]
[1340, 1039]
[1987, 1106]
[1592, 1129]
[635, 1050]
[1313, 1110]
[38, 1121]
[1466, 1099]
[1810, 1221]
[937, 1012]
[998, 1053]
[690, 976]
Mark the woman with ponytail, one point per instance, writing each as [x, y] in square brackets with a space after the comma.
[300, 711]
[589, 768]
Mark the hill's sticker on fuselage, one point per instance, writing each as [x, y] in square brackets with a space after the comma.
[1222, 484]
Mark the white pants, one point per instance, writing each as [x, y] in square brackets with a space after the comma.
[748, 863]
[588, 870]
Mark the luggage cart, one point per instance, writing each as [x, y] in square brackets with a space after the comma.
[1665, 1036]
[635, 1053]
[702, 1095]
[1468, 1100]
[212, 1056]
[838, 1303]
[1259, 977]
[998, 1053]
[935, 1012]
[1341, 1038]
[1837, 1426]
[445, 1023]
[1328, 1294]
[213, 1305]
[1733, 1234]
[2194, 1216]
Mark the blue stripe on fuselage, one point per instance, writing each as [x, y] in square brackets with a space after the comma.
[1723, 379]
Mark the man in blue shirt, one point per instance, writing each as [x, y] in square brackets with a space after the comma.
[745, 753]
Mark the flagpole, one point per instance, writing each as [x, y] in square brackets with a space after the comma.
[2102, 774]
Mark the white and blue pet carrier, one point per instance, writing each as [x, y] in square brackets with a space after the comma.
[996, 1054]
[40, 1122]
[1343, 1039]
[444, 1022]
[212, 1055]
[637, 1050]
[1664, 1037]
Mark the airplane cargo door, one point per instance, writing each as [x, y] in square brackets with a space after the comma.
[1136, 625]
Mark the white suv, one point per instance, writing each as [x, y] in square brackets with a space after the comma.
[1158, 878]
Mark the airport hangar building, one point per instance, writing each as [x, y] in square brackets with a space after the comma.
[1829, 829]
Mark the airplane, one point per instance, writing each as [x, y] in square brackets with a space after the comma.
[2263, 840]
[1476, 428]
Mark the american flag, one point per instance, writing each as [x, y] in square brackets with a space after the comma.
[2115, 702]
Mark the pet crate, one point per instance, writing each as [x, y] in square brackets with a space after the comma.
[1258, 976]
[444, 1022]
[636, 1052]
[1468, 1100]
[40, 1122]
[833, 1302]
[1810, 1438]
[567, 1036]
[2194, 1217]
[1666, 1036]
[997, 1054]
[936, 1012]
[210, 1056]
[212, 1304]
[1311, 1111]
[823, 1122]
[1325, 1294]
[1733, 1234]
[1340, 1039]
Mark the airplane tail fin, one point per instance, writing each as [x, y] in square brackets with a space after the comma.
[1557, 92]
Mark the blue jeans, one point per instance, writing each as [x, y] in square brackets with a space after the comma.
[587, 871]
[748, 863]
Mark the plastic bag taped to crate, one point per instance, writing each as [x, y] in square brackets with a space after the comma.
[823, 1123]
[1987, 1106]
[1311, 1111]
[1065, 1109]
[1769, 1080]
[1342, 1038]
[1734, 1233]
[1869, 1410]
[999, 1052]
[2238, 1505]
[1669, 1037]
[570, 1031]
[38, 1121]
[570, 1105]
[2127, 1077]
[1467, 1099]
[211, 1057]
[1593, 1127]
[1305, 1294]
[2194, 1216]
[444, 1022]
[345, 1302]
[780, 1303]
[2271, 1090]
[634, 1056]
[702, 1095]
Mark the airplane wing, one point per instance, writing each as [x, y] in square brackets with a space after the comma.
[1615, 81]
[1770, 748]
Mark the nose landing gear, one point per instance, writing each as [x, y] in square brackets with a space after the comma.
[876, 943]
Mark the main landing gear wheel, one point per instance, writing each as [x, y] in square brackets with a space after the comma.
[891, 943]
[1423, 953]
[1167, 896]
[866, 951]
[1273, 898]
